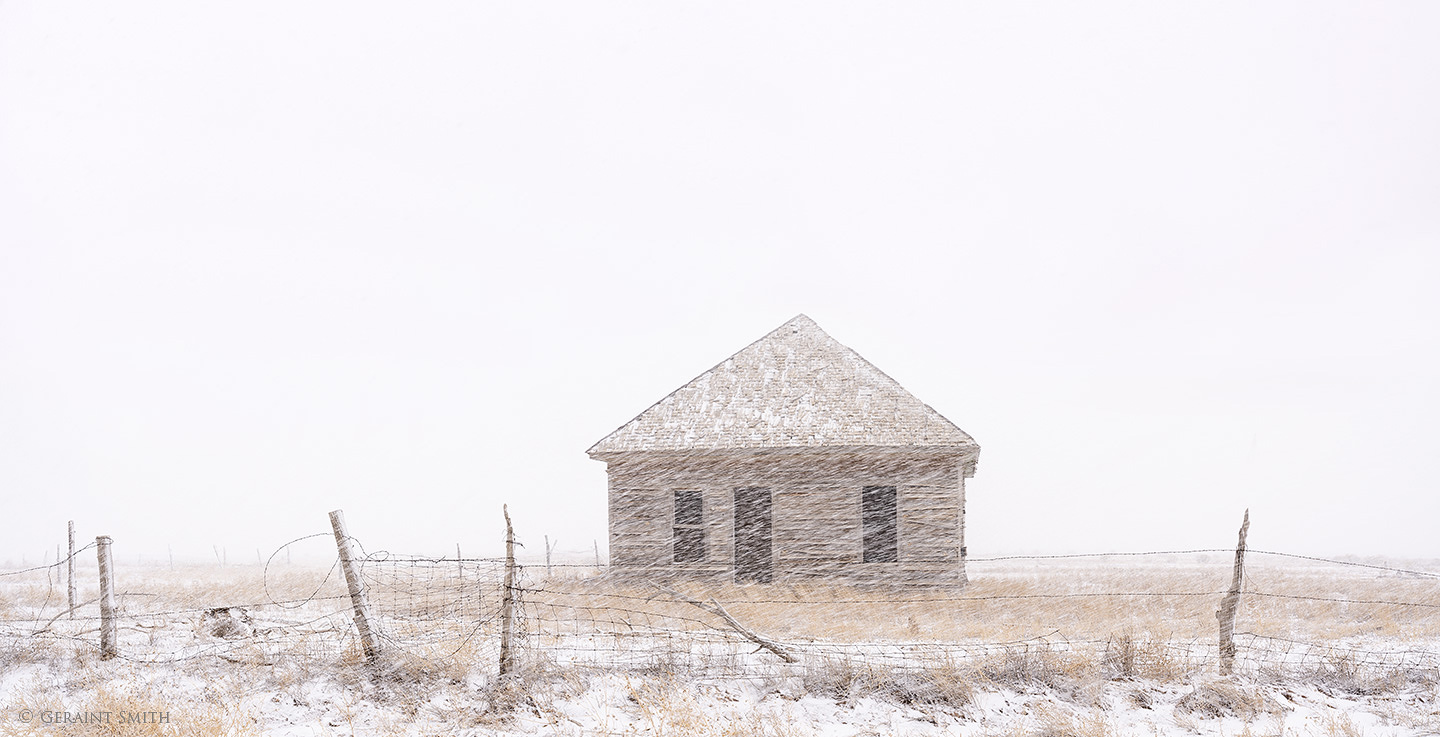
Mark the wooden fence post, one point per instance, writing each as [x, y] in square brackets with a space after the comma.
[1230, 604]
[547, 555]
[70, 569]
[109, 648]
[507, 597]
[597, 553]
[355, 585]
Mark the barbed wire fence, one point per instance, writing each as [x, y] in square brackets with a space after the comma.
[424, 608]
[481, 611]
[619, 624]
[600, 631]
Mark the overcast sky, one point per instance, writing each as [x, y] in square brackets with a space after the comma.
[1163, 261]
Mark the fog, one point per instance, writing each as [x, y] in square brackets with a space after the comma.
[265, 260]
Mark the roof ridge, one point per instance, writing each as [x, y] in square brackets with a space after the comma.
[897, 384]
[698, 376]
[784, 391]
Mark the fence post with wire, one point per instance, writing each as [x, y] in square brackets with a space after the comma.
[486, 615]
[109, 630]
[507, 601]
[1231, 603]
[356, 586]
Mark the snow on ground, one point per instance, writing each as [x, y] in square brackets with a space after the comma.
[219, 697]
[295, 669]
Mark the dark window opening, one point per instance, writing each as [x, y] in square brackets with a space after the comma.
[754, 560]
[689, 507]
[689, 537]
[879, 517]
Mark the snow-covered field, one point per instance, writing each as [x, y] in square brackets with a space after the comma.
[1031, 647]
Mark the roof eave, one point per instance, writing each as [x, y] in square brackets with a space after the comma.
[966, 451]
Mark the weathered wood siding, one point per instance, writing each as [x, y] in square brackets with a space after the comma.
[930, 522]
[817, 523]
[639, 525]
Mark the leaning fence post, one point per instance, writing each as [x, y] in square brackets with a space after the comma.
[109, 648]
[1230, 604]
[507, 597]
[70, 569]
[356, 586]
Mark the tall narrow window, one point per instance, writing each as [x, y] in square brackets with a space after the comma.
[878, 507]
[754, 541]
[689, 526]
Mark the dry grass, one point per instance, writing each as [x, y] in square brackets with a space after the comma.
[1032, 629]
[1069, 627]
[296, 620]
[35, 597]
[1346, 673]
[845, 681]
[1023, 667]
[1226, 698]
[1169, 602]
[210, 586]
[1055, 722]
[1172, 601]
[670, 707]
[130, 710]
[1341, 725]
[1128, 656]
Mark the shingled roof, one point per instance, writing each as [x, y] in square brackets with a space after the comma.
[797, 387]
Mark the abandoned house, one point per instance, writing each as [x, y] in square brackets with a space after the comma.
[794, 459]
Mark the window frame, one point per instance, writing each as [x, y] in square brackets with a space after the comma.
[880, 541]
[691, 529]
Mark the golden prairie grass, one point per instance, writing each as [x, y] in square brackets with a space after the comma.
[1056, 628]
[670, 707]
[1083, 603]
[1340, 725]
[1054, 721]
[1221, 698]
[131, 709]
[1105, 622]
[34, 596]
[1173, 601]
[1127, 637]
[209, 586]
[21, 594]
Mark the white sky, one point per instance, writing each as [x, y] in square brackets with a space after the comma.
[1164, 261]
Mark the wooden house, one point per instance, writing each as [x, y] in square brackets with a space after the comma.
[792, 460]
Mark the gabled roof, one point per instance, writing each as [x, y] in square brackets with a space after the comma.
[795, 388]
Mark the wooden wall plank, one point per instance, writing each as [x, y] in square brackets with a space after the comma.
[817, 507]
